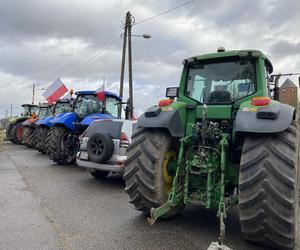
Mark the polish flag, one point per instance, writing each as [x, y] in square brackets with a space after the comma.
[100, 93]
[55, 91]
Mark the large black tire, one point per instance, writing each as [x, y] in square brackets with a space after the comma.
[100, 147]
[42, 132]
[27, 131]
[99, 174]
[8, 131]
[31, 142]
[268, 189]
[47, 151]
[16, 132]
[58, 151]
[144, 170]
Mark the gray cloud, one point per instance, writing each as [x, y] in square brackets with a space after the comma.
[285, 48]
[41, 40]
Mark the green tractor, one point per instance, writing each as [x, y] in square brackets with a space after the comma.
[224, 141]
[14, 129]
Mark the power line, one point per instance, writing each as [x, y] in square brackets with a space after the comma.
[165, 12]
[94, 56]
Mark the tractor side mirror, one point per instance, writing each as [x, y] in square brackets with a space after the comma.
[172, 92]
[299, 81]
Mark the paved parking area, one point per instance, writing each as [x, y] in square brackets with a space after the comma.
[47, 206]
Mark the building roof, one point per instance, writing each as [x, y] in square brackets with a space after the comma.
[288, 84]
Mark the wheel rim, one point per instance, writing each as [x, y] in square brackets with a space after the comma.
[97, 146]
[167, 178]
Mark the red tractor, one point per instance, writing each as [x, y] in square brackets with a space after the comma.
[28, 136]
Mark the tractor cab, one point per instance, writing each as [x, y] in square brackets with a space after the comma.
[29, 109]
[62, 106]
[89, 108]
[87, 104]
[44, 110]
[224, 80]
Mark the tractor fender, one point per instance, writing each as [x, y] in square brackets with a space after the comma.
[29, 122]
[20, 119]
[45, 121]
[65, 119]
[164, 119]
[280, 118]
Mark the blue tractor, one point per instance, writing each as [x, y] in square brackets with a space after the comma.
[63, 136]
[43, 125]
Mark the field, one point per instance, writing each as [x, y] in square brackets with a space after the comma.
[2, 136]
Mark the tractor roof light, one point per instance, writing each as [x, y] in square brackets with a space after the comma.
[260, 101]
[243, 53]
[255, 54]
[165, 102]
[221, 49]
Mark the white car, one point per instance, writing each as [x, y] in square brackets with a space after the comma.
[103, 146]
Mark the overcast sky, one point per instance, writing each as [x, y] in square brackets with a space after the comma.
[43, 40]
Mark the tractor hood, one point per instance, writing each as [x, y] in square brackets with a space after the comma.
[66, 119]
[99, 116]
[45, 121]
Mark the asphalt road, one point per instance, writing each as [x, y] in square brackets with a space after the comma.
[47, 206]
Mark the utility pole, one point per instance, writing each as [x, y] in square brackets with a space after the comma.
[33, 92]
[130, 67]
[124, 54]
[127, 35]
[276, 88]
[129, 20]
[10, 110]
[6, 113]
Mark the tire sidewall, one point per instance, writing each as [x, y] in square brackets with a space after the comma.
[26, 134]
[297, 191]
[41, 137]
[56, 145]
[15, 131]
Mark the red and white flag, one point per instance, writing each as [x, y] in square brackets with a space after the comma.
[100, 93]
[55, 91]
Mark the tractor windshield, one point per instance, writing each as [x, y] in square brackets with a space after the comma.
[42, 112]
[26, 111]
[112, 106]
[62, 107]
[87, 105]
[90, 104]
[221, 82]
